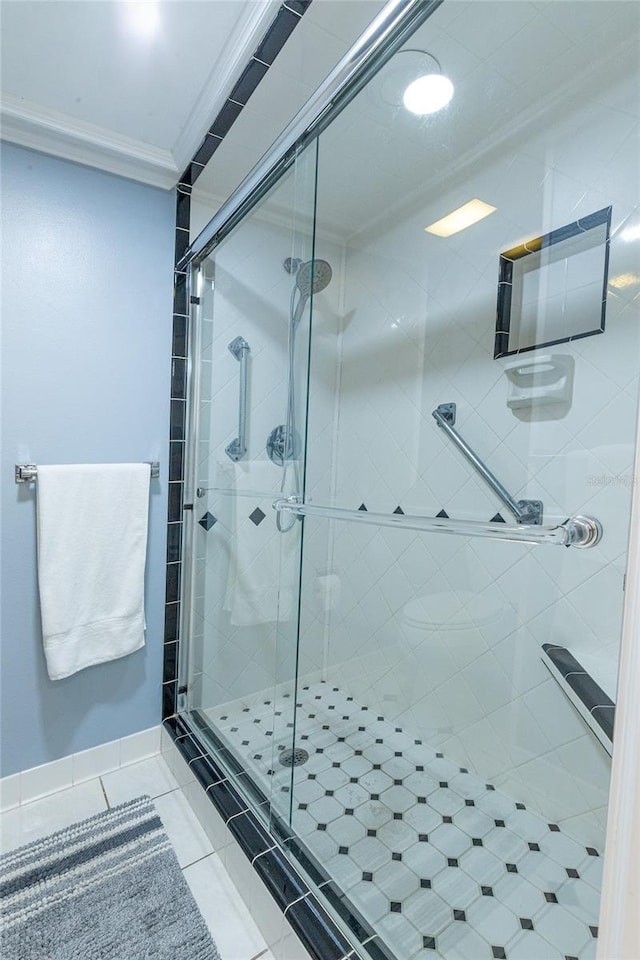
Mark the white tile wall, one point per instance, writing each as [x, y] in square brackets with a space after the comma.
[421, 315]
[407, 323]
[236, 559]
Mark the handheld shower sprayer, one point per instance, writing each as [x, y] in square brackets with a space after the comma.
[312, 276]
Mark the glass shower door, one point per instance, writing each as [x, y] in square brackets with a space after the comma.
[248, 410]
[404, 664]
[463, 713]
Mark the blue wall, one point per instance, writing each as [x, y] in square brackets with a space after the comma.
[86, 341]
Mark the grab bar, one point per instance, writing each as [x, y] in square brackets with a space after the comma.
[238, 446]
[578, 531]
[525, 511]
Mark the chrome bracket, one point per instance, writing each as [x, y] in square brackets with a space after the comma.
[583, 532]
[237, 346]
[531, 511]
[448, 412]
[235, 450]
[26, 472]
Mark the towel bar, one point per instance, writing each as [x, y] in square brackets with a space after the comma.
[28, 472]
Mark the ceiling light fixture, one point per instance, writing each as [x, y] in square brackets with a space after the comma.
[623, 280]
[430, 91]
[631, 234]
[414, 79]
[141, 17]
[461, 218]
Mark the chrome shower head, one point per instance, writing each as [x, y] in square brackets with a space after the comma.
[314, 274]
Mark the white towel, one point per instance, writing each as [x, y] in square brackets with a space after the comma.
[92, 544]
[262, 573]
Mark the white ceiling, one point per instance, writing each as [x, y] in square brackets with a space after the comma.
[514, 64]
[129, 86]
[327, 30]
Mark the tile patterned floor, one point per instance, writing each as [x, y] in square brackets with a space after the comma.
[439, 862]
[224, 911]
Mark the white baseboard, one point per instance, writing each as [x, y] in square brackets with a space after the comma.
[48, 778]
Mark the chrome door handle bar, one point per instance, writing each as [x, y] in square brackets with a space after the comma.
[578, 531]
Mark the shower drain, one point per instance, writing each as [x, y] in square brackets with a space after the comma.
[293, 758]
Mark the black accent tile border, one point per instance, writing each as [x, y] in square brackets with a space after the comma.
[177, 421]
[277, 35]
[283, 24]
[505, 279]
[596, 702]
[171, 661]
[179, 342]
[308, 918]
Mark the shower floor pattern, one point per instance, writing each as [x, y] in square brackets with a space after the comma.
[441, 863]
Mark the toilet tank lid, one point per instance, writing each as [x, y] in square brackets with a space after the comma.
[450, 611]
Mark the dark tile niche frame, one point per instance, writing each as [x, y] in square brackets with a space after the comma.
[593, 698]
[505, 280]
[281, 28]
[319, 934]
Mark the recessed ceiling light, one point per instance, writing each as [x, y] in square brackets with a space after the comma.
[428, 94]
[631, 233]
[623, 280]
[466, 215]
[141, 17]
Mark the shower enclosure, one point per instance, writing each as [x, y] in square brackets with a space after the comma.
[406, 555]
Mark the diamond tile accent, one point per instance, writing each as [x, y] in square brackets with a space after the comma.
[207, 521]
[257, 516]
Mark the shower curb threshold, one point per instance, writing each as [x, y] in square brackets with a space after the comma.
[310, 920]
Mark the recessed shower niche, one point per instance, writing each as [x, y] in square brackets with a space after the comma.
[553, 288]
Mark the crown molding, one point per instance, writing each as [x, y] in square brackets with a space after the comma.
[238, 50]
[31, 125]
[34, 126]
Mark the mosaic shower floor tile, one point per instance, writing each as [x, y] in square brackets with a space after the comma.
[439, 862]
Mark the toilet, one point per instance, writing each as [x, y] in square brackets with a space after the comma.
[448, 629]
